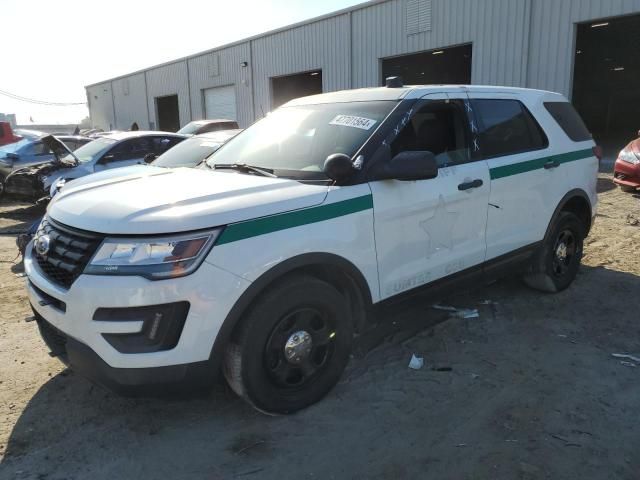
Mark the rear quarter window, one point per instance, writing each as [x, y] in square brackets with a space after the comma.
[506, 127]
[569, 120]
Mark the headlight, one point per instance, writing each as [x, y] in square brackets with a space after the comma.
[153, 258]
[628, 156]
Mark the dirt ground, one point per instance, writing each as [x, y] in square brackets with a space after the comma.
[529, 390]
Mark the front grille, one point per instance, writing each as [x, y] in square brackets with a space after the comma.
[69, 252]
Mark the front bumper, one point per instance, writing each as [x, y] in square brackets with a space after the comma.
[210, 291]
[190, 377]
[25, 185]
[626, 174]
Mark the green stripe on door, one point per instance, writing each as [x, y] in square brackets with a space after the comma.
[530, 165]
[297, 218]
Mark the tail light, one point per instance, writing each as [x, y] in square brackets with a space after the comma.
[597, 151]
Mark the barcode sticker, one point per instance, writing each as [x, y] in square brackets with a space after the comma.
[352, 121]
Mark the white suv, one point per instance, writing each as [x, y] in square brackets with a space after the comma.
[268, 259]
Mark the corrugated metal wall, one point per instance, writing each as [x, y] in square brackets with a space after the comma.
[320, 45]
[169, 80]
[552, 42]
[497, 29]
[218, 69]
[527, 43]
[101, 106]
[129, 98]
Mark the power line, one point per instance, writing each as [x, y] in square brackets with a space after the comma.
[40, 102]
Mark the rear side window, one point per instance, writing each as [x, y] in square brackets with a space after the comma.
[569, 120]
[506, 127]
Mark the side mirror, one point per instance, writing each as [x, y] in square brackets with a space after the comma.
[106, 159]
[149, 157]
[338, 166]
[407, 166]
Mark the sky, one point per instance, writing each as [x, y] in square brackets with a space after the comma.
[52, 49]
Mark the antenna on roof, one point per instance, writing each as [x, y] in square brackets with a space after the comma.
[394, 82]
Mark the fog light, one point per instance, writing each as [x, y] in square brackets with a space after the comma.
[161, 326]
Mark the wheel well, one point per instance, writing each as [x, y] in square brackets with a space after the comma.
[359, 301]
[335, 270]
[581, 208]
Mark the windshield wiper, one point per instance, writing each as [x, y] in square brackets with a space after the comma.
[243, 167]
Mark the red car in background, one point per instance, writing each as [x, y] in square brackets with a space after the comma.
[6, 134]
[626, 171]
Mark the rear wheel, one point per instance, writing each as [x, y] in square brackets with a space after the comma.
[556, 264]
[291, 348]
[627, 189]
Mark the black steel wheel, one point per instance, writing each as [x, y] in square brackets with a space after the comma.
[291, 347]
[557, 263]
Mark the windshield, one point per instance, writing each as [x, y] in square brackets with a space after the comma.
[297, 140]
[14, 147]
[188, 153]
[189, 128]
[91, 150]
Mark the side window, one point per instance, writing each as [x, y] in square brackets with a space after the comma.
[439, 126]
[569, 120]
[506, 128]
[131, 149]
[36, 148]
[162, 144]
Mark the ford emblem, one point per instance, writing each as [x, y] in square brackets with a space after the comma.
[42, 244]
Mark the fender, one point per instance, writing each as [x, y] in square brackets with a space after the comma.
[268, 278]
[575, 193]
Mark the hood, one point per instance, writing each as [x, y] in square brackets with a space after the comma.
[58, 148]
[160, 201]
[634, 146]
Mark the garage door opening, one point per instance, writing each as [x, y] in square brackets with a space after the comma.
[168, 113]
[289, 87]
[443, 66]
[220, 103]
[606, 79]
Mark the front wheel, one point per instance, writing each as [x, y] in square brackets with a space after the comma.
[1, 187]
[292, 347]
[556, 265]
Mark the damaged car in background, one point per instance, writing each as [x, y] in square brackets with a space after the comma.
[113, 151]
[30, 150]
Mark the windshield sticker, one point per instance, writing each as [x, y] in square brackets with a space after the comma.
[351, 121]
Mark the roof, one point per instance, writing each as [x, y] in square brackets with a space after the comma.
[141, 133]
[336, 13]
[220, 135]
[214, 120]
[408, 91]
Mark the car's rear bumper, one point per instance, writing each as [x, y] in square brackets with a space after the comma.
[626, 174]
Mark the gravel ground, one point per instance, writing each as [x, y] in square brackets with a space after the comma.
[529, 390]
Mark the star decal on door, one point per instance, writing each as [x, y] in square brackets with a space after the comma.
[439, 228]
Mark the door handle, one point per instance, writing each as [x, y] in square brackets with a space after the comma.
[551, 164]
[477, 183]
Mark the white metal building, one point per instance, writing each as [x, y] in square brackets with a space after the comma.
[586, 49]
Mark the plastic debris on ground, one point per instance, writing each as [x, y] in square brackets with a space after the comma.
[416, 363]
[458, 312]
[626, 356]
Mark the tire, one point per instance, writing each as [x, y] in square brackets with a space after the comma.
[273, 369]
[1, 187]
[557, 263]
[627, 189]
